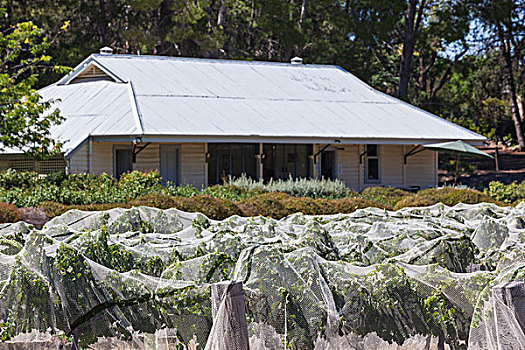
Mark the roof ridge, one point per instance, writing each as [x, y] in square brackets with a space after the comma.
[212, 60]
[135, 108]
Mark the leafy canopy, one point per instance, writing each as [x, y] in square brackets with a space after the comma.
[25, 119]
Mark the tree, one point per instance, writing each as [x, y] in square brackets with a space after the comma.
[25, 119]
[504, 22]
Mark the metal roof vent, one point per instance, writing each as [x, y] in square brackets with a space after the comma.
[106, 50]
[296, 60]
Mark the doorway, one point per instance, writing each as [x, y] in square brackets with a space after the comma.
[123, 161]
[328, 165]
[235, 159]
[170, 164]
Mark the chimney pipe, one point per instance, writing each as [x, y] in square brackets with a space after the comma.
[106, 50]
[296, 60]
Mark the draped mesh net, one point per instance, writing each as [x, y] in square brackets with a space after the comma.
[140, 279]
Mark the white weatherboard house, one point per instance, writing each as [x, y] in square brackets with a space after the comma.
[198, 120]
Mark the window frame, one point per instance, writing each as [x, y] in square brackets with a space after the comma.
[376, 157]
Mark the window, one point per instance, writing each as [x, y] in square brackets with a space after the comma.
[234, 159]
[283, 161]
[372, 164]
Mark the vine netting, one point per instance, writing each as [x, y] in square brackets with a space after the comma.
[139, 278]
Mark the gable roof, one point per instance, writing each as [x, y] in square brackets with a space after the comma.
[158, 98]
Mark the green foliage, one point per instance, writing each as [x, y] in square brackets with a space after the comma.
[278, 205]
[448, 195]
[25, 119]
[506, 193]
[312, 188]
[385, 195]
[29, 189]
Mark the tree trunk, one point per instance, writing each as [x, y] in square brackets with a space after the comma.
[220, 16]
[518, 125]
[102, 22]
[521, 108]
[409, 42]
[303, 11]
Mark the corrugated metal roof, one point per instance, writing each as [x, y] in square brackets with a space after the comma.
[168, 96]
[92, 108]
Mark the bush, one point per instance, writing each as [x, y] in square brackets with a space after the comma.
[414, 201]
[157, 200]
[180, 191]
[451, 196]
[349, 205]
[448, 195]
[9, 213]
[52, 209]
[267, 204]
[11, 179]
[278, 205]
[296, 187]
[217, 209]
[231, 192]
[384, 195]
[506, 193]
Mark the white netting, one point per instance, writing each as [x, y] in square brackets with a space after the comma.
[373, 279]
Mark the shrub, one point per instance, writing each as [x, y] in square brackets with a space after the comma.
[180, 191]
[267, 204]
[448, 195]
[217, 209]
[278, 205]
[296, 187]
[34, 216]
[136, 183]
[11, 178]
[414, 201]
[9, 213]
[349, 205]
[452, 196]
[506, 193]
[157, 200]
[385, 195]
[231, 192]
[52, 209]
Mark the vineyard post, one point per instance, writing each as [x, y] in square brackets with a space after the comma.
[509, 314]
[229, 316]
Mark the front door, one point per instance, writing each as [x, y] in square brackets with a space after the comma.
[328, 165]
[123, 162]
[170, 164]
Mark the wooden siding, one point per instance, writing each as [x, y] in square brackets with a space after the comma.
[348, 162]
[193, 164]
[421, 169]
[78, 162]
[148, 159]
[391, 165]
[91, 73]
[193, 158]
[102, 157]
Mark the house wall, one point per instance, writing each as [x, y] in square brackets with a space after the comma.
[193, 158]
[420, 170]
[193, 164]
